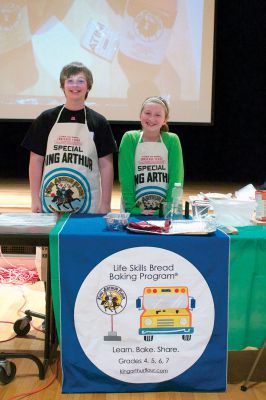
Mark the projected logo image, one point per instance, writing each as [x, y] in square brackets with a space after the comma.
[10, 17]
[63, 194]
[149, 26]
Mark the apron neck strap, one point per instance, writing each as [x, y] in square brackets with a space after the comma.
[157, 141]
[60, 112]
[85, 114]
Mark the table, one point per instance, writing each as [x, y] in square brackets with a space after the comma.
[139, 312]
[22, 229]
[247, 308]
[247, 315]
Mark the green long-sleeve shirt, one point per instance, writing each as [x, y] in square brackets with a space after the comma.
[126, 165]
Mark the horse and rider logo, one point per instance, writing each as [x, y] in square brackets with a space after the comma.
[64, 194]
[111, 299]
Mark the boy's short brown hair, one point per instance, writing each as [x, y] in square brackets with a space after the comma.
[73, 69]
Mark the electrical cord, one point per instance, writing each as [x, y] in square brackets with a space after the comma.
[19, 312]
[40, 389]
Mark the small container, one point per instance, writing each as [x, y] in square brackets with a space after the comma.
[177, 212]
[177, 202]
[200, 209]
[260, 197]
[116, 221]
[233, 212]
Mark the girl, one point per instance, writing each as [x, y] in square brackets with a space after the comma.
[150, 160]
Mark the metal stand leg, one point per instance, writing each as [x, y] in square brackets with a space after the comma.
[22, 327]
[244, 386]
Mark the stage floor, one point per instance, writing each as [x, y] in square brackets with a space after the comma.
[15, 194]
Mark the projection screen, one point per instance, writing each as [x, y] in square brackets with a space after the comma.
[134, 48]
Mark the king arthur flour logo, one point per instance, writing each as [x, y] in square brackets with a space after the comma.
[65, 191]
[111, 299]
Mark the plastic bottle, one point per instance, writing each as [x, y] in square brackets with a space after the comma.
[177, 202]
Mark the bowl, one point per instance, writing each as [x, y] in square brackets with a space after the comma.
[116, 221]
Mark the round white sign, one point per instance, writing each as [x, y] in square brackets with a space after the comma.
[144, 314]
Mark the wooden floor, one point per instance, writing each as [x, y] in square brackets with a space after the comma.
[14, 196]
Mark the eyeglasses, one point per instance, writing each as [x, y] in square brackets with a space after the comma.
[73, 82]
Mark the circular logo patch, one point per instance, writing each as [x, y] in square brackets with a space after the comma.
[150, 201]
[111, 299]
[65, 192]
[148, 26]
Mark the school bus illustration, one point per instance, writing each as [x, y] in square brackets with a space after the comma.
[166, 310]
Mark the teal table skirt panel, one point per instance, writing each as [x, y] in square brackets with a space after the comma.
[247, 288]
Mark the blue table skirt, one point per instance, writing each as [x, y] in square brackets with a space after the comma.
[139, 312]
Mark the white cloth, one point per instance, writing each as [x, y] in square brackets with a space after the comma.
[71, 178]
[151, 174]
